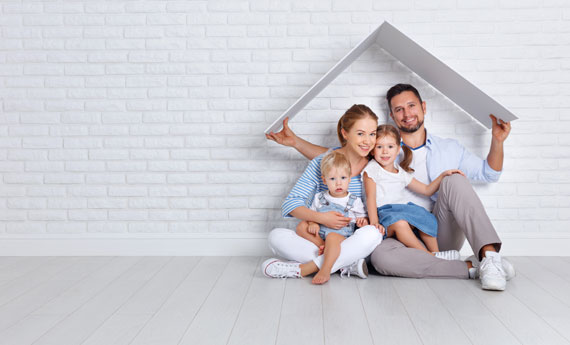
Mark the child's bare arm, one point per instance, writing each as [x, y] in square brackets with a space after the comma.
[430, 189]
[370, 190]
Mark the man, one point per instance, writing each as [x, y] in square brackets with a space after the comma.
[457, 207]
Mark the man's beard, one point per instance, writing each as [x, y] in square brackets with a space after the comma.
[411, 130]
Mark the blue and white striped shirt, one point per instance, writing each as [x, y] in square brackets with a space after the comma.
[310, 183]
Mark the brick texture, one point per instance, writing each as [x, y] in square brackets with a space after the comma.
[148, 116]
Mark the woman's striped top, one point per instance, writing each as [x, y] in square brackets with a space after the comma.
[310, 183]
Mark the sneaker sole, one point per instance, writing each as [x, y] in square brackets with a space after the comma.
[493, 287]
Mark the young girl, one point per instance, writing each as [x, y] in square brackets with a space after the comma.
[335, 168]
[384, 183]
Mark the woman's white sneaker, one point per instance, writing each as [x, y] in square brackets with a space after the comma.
[275, 268]
[448, 255]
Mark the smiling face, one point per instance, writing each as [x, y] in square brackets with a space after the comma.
[337, 180]
[386, 151]
[407, 111]
[360, 138]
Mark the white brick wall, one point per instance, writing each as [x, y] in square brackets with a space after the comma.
[148, 116]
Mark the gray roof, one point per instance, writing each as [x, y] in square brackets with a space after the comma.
[458, 89]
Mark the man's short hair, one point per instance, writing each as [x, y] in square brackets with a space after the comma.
[398, 89]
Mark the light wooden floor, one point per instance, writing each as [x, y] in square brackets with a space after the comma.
[223, 300]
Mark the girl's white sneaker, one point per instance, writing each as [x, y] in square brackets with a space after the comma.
[357, 268]
[448, 255]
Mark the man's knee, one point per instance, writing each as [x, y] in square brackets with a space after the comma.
[382, 258]
[454, 180]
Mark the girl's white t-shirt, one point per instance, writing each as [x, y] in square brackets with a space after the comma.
[419, 164]
[390, 187]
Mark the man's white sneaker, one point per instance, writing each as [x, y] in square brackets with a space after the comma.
[357, 268]
[491, 272]
[275, 268]
[448, 255]
[509, 269]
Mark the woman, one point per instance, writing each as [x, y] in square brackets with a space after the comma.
[356, 131]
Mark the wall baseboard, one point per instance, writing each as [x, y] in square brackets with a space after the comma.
[218, 244]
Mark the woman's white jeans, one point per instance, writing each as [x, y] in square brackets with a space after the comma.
[288, 245]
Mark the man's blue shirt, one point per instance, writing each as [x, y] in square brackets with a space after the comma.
[444, 154]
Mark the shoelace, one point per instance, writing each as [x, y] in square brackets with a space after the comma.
[494, 261]
[285, 270]
[345, 271]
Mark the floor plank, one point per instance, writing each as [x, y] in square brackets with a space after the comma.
[301, 314]
[544, 277]
[21, 306]
[215, 319]
[476, 321]
[170, 322]
[433, 322]
[522, 322]
[258, 319]
[557, 265]
[223, 300]
[388, 319]
[43, 319]
[546, 306]
[127, 322]
[75, 328]
[343, 313]
[7, 261]
[40, 273]
[27, 264]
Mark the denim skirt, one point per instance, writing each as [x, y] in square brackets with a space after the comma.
[415, 215]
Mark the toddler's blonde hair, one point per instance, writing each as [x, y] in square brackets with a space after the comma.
[334, 159]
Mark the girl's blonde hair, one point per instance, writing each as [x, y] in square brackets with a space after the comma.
[384, 130]
[353, 114]
[334, 159]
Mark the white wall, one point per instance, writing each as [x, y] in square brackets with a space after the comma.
[136, 127]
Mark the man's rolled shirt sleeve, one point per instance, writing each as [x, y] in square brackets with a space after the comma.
[445, 154]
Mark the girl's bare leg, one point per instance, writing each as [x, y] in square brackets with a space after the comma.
[430, 242]
[332, 251]
[403, 232]
[303, 231]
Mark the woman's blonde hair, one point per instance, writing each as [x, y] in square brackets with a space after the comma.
[384, 130]
[353, 114]
[334, 159]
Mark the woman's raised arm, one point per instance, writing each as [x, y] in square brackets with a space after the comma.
[286, 137]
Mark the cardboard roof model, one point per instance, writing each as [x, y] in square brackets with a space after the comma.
[458, 89]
